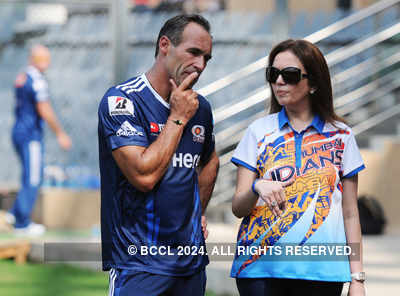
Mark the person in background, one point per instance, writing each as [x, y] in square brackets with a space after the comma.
[297, 184]
[158, 168]
[32, 109]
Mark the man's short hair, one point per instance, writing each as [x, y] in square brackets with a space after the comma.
[174, 27]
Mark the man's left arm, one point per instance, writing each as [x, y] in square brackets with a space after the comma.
[207, 178]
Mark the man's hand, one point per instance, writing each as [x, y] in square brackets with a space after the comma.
[145, 166]
[64, 141]
[204, 226]
[46, 112]
[183, 100]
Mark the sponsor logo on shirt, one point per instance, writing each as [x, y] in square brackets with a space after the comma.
[198, 132]
[127, 130]
[156, 128]
[120, 106]
[185, 160]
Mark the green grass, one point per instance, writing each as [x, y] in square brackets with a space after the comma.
[52, 234]
[52, 279]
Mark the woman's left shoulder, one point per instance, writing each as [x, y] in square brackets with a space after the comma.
[338, 126]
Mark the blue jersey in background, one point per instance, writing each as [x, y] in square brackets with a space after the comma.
[30, 88]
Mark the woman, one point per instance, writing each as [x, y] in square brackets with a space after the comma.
[297, 185]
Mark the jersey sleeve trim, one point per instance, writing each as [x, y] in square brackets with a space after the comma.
[238, 162]
[117, 142]
[355, 172]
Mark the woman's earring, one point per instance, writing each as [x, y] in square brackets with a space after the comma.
[312, 91]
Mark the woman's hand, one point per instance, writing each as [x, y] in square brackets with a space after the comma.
[273, 193]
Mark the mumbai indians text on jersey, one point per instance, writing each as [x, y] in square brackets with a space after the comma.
[318, 159]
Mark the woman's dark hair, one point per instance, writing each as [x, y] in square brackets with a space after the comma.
[174, 27]
[318, 77]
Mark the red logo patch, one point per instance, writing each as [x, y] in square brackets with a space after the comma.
[154, 128]
[197, 131]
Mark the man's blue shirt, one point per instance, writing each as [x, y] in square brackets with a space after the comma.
[30, 88]
[133, 114]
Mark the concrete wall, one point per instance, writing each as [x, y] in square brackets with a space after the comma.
[381, 179]
[68, 209]
[311, 5]
[256, 5]
[357, 4]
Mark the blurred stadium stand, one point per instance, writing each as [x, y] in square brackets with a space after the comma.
[81, 71]
[362, 48]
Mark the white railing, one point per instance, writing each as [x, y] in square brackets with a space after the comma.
[314, 38]
[380, 87]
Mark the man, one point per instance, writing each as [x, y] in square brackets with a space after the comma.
[158, 169]
[32, 109]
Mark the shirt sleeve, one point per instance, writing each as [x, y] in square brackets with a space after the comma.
[352, 162]
[40, 90]
[246, 152]
[209, 143]
[120, 121]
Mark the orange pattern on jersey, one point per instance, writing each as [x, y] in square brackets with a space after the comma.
[315, 179]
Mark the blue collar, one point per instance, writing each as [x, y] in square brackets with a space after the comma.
[317, 122]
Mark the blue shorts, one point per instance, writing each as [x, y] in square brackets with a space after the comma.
[125, 282]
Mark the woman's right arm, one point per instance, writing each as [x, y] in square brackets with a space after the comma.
[271, 192]
[244, 199]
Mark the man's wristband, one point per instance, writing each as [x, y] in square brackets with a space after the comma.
[178, 122]
[253, 186]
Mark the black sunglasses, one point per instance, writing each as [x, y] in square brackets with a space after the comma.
[290, 75]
